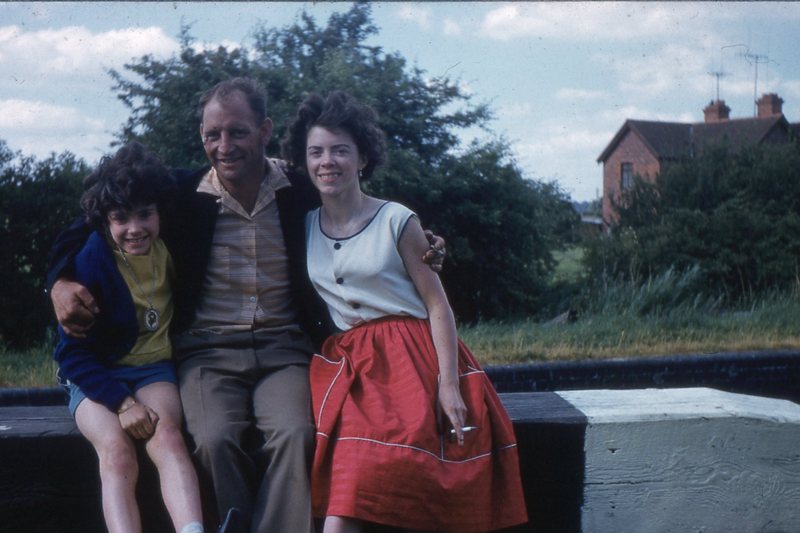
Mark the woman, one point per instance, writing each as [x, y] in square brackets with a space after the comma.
[410, 432]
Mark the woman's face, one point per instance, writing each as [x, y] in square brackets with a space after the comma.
[333, 161]
[134, 231]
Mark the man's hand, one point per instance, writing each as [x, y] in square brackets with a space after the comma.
[74, 306]
[435, 255]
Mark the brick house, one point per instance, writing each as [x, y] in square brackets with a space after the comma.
[643, 148]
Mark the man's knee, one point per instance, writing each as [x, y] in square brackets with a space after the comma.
[293, 436]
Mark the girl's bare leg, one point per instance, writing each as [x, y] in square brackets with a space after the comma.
[341, 524]
[167, 449]
[119, 468]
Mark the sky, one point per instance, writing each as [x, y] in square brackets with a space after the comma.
[560, 77]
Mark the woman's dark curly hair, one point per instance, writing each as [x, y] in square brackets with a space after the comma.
[337, 111]
[132, 177]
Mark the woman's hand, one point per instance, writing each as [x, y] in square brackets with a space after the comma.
[137, 419]
[452, 405]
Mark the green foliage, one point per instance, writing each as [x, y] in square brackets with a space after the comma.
[37, 200]
[732, 216]
[501, 229]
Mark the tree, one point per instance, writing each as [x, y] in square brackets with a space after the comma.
[733, 215]
[501, 227]
[37, 199]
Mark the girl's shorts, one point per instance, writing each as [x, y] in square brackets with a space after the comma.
[132, 378]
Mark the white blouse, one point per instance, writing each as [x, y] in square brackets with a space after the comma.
[362, 277]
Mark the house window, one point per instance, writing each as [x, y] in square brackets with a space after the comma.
[626, 176]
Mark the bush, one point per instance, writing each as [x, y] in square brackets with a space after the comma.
[37, 200]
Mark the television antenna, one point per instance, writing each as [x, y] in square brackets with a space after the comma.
[718, 74]
[755, 60]
[721, 72]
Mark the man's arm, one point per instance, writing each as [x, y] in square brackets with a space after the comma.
[73, 304]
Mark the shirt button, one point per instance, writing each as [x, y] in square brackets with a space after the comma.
[339, 281]
[337, 246]
[355, 305]
[252, 298]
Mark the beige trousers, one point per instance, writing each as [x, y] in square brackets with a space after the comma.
[247, 406]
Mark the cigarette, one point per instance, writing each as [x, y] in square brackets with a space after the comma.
[464, 429]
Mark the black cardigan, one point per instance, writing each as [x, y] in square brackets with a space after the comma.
[188, 231]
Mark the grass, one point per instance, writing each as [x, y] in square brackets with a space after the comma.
[28, 368]
[606, 337]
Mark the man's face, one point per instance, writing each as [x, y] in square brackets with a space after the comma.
[233, 139]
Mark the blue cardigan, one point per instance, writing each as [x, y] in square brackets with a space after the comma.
[86, 362]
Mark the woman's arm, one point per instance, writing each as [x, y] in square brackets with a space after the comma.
[412, 245]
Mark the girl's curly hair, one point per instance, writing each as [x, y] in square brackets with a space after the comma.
[337, 111]
[132, 177]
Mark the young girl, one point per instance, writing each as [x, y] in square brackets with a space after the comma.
[410, 432]
[120, 379]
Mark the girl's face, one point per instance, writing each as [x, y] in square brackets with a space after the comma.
[134, 231]
[333, 161]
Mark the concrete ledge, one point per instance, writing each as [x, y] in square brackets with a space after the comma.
[650, 460]
[697, 460]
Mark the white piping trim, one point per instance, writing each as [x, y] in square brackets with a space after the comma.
[330, 386]
[422, 450]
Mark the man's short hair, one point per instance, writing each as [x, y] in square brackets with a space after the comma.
[253, 91]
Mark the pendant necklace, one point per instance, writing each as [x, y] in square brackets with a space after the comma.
[151, 317]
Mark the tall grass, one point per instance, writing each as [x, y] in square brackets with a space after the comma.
[28, 368]
[668, 314]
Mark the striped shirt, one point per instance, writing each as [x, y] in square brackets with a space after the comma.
[247, 280]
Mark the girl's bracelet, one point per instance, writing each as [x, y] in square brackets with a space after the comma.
[126, 407]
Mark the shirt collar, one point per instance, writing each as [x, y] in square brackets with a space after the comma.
[274, 179]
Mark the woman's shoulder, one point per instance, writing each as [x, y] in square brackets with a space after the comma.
[394, 210]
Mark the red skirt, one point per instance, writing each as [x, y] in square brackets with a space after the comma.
[381, 455]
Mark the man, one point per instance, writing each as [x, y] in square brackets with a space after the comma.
[246, 315]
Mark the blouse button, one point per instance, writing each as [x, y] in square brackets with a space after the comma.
[355, 305]
[339, 281]
[337, 246]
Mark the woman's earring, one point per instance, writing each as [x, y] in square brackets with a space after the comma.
[360, 173]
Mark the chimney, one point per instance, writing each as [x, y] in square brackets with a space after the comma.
[716, 111]
[770, 105]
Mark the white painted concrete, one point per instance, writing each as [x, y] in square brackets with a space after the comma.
[689, 460]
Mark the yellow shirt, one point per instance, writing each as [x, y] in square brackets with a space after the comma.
[151, 346]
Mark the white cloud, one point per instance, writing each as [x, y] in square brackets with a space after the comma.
[568, 93]
[38, 129]
[515, 110]
[74, 50]
[451, 27]
[669, 69]
[415, 13]
[595, 20]
[56, 91]
[27, 115]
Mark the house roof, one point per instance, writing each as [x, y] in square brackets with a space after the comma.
[671, 140]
